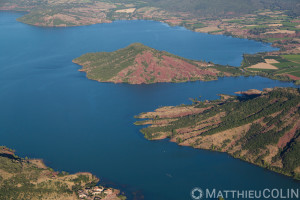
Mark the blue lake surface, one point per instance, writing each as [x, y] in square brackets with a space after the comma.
[50, 110]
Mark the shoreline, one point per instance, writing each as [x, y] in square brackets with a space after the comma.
[161, 21]
[32, 178]
[207, 126]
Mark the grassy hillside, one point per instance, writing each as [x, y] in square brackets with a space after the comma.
[261, 127]
[30, 179]
[138, 64]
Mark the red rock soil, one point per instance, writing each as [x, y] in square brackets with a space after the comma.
[164, 69]
[293, 77]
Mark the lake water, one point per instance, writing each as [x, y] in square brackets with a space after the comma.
[50, 110]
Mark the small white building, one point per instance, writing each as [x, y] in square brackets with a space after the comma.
[82, 196]
[97, 189]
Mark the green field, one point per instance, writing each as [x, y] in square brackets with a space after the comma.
[292, 66]
[294, 58]
[287, 64]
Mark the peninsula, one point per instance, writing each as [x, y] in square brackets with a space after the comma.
[261, 127]
[23, 178]
[137, 64]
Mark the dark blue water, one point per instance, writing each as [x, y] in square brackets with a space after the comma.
[50, 110]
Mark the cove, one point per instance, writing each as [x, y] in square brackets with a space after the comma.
[50, 110]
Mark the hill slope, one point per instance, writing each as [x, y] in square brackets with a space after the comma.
[228, 7]
[260, 127]
[138, 64]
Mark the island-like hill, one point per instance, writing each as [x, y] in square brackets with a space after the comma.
[137, 64]
[261, 127]
[23, 178]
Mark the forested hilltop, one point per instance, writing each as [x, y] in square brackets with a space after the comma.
[137, 64]
[261, 127]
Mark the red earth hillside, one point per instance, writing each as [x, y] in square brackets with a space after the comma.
[137, 64]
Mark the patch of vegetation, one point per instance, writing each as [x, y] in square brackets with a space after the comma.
[103, 66]
[291, 154]
[293, 58]
[249, 59]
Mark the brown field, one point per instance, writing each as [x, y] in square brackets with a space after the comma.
[271, 61]
[275, 25]
[280, 31]
[262, 66]
[207, 29]
[129, 10]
